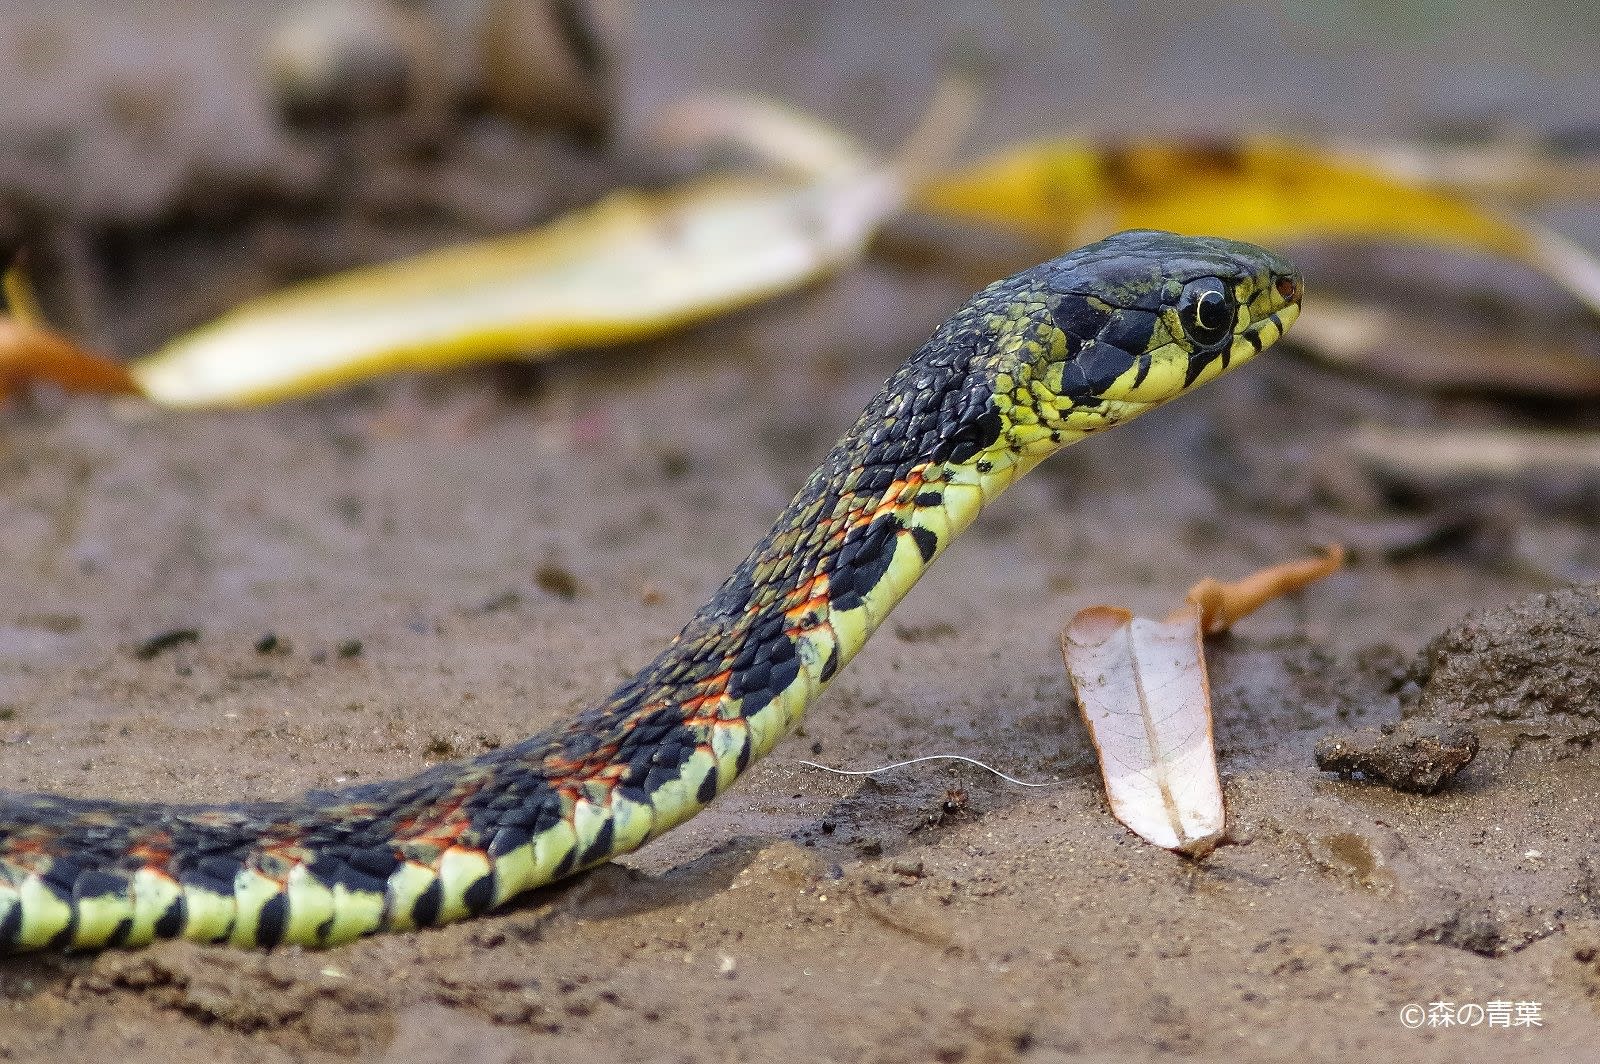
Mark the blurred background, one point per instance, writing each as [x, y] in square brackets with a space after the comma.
[316, 135]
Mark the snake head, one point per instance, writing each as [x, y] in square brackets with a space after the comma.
[1081, 343]
[1144, 316]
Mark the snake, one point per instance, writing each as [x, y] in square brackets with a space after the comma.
[1030, 364]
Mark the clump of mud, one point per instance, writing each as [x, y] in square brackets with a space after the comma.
[1529, 670]
[1419, 757]
[1523, 677]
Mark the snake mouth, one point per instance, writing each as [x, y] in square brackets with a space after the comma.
[1264, 332]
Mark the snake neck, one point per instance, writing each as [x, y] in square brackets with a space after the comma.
[930, 451]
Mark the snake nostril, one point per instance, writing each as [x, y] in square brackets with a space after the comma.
[1289, 289]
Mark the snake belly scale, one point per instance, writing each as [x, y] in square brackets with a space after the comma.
[1032, 363]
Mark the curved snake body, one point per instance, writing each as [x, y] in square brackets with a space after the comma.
[1032, 363]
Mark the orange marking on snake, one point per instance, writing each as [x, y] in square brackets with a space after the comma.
[24, 847]
[900, 492]
[442, 824]
[716, 688]
[814, 598]
[277, 862]
[154, 850]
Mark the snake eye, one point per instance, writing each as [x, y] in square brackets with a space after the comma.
[1207, 312]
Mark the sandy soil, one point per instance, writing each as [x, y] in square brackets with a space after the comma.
[445, 564]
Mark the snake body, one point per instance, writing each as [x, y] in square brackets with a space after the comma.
[1032, 363]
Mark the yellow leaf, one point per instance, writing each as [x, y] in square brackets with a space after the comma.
[632, 266]
[1260, 190]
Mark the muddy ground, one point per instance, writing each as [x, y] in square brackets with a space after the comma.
[446, 563]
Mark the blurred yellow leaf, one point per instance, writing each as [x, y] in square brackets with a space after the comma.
[632, 266]
[1261, 190]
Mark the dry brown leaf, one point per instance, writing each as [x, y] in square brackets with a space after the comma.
[1143, 693]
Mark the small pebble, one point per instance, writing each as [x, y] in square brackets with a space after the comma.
[555, 580]
[149, 648]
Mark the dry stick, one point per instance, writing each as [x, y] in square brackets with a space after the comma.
[1418, 455]
[1376, 341]
[945, 122]
[1222, 605]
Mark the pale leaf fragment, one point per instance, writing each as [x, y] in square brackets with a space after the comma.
[787, 139]
[1516, 169]
[1145, 697]
[1445, 355]
[1143, 693]
[1420, 456]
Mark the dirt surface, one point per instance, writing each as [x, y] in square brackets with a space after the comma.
[205, 607]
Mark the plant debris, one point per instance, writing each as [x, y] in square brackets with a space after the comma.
[1144, 694]
[1221, 605]
[147, 649]
[1445, 355]
[1418, 757]
[31, 352]
[1265, 190]
[1433, 455]
[633, 266]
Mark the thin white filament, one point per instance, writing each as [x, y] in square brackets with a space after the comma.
[930, 757]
